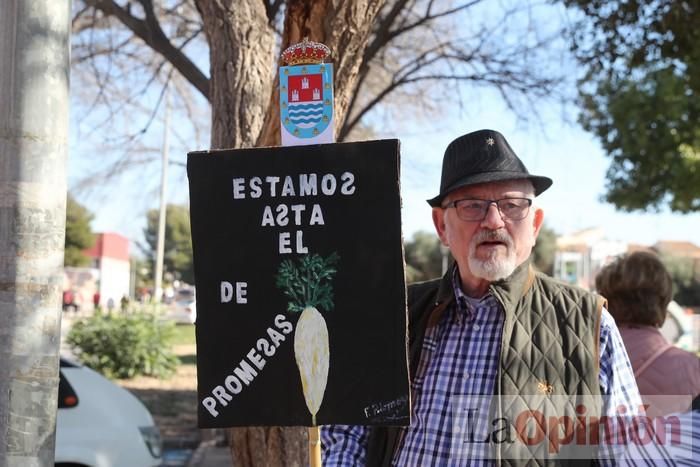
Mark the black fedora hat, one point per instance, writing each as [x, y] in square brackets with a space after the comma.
[480, 157]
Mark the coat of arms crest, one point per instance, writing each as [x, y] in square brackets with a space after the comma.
[306, 95]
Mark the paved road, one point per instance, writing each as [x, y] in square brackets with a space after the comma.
[210, 455]
[174, 457]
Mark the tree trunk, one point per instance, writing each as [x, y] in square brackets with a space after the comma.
[241, 47]
[245, 112]
[35, 57]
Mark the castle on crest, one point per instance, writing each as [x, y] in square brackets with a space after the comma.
[315, 94]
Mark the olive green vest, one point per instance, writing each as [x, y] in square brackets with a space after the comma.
[548, 363]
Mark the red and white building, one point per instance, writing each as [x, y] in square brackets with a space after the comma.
[108, 276]
[110, 256]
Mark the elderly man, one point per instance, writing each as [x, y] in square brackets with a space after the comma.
[493, 337]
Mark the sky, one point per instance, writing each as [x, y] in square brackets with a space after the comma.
[569, 156]
[563, 152]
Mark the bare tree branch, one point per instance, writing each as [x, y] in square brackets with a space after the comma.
[385, 34]
[396, 59]
[273, 8]
[150, 31]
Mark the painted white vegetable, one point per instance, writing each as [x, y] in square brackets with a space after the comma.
[311, 352]
[308, 287]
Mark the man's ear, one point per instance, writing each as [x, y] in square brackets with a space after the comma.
[538, 221]
[439, 222]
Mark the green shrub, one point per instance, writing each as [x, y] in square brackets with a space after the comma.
[124, 345]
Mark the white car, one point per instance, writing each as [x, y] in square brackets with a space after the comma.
[100, 424]
[183, 309]
[681, 328]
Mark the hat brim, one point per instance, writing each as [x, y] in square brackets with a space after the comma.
[540, 184]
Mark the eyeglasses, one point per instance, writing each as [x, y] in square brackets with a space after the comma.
[513, 209]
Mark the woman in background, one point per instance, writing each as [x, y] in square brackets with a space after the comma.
[639, 288]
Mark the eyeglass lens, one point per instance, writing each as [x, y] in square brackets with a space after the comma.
[476, 209]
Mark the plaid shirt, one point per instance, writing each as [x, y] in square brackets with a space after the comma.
[684, 451]
[461, 356]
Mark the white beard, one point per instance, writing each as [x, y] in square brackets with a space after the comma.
[496, 266]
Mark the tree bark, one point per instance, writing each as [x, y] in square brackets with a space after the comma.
[245, 112]
[241, 47]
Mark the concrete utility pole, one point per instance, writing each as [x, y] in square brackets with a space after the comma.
[160, 243]
[34, 71]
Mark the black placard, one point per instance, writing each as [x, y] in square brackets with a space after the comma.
[276, 231]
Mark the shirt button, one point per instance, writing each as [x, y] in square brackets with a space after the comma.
[477, 327]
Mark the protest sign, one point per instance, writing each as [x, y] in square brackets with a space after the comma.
[300, 285]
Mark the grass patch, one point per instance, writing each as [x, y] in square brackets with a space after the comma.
[183, 335]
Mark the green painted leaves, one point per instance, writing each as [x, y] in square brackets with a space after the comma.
[307, 282]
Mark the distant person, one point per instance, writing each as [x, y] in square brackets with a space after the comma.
[168, 294]
[78, 299]
[124, 302]
[144, 296]
[639, 288]
[96, 300]
[67, 299]
[72, 300]
[110, 304]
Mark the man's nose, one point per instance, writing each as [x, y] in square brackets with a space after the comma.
[493, 219]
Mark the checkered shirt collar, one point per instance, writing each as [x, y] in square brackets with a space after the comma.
[467, 305]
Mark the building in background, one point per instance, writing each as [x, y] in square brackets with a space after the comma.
[106, 280]
[110, 258]
[686, 250]
[582, 254]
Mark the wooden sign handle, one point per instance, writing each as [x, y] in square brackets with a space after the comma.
[315, 447]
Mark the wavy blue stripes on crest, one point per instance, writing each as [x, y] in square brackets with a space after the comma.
[297, 121]
[315, 105]
[302, 113]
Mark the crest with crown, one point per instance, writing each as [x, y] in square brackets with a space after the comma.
[306, 52]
